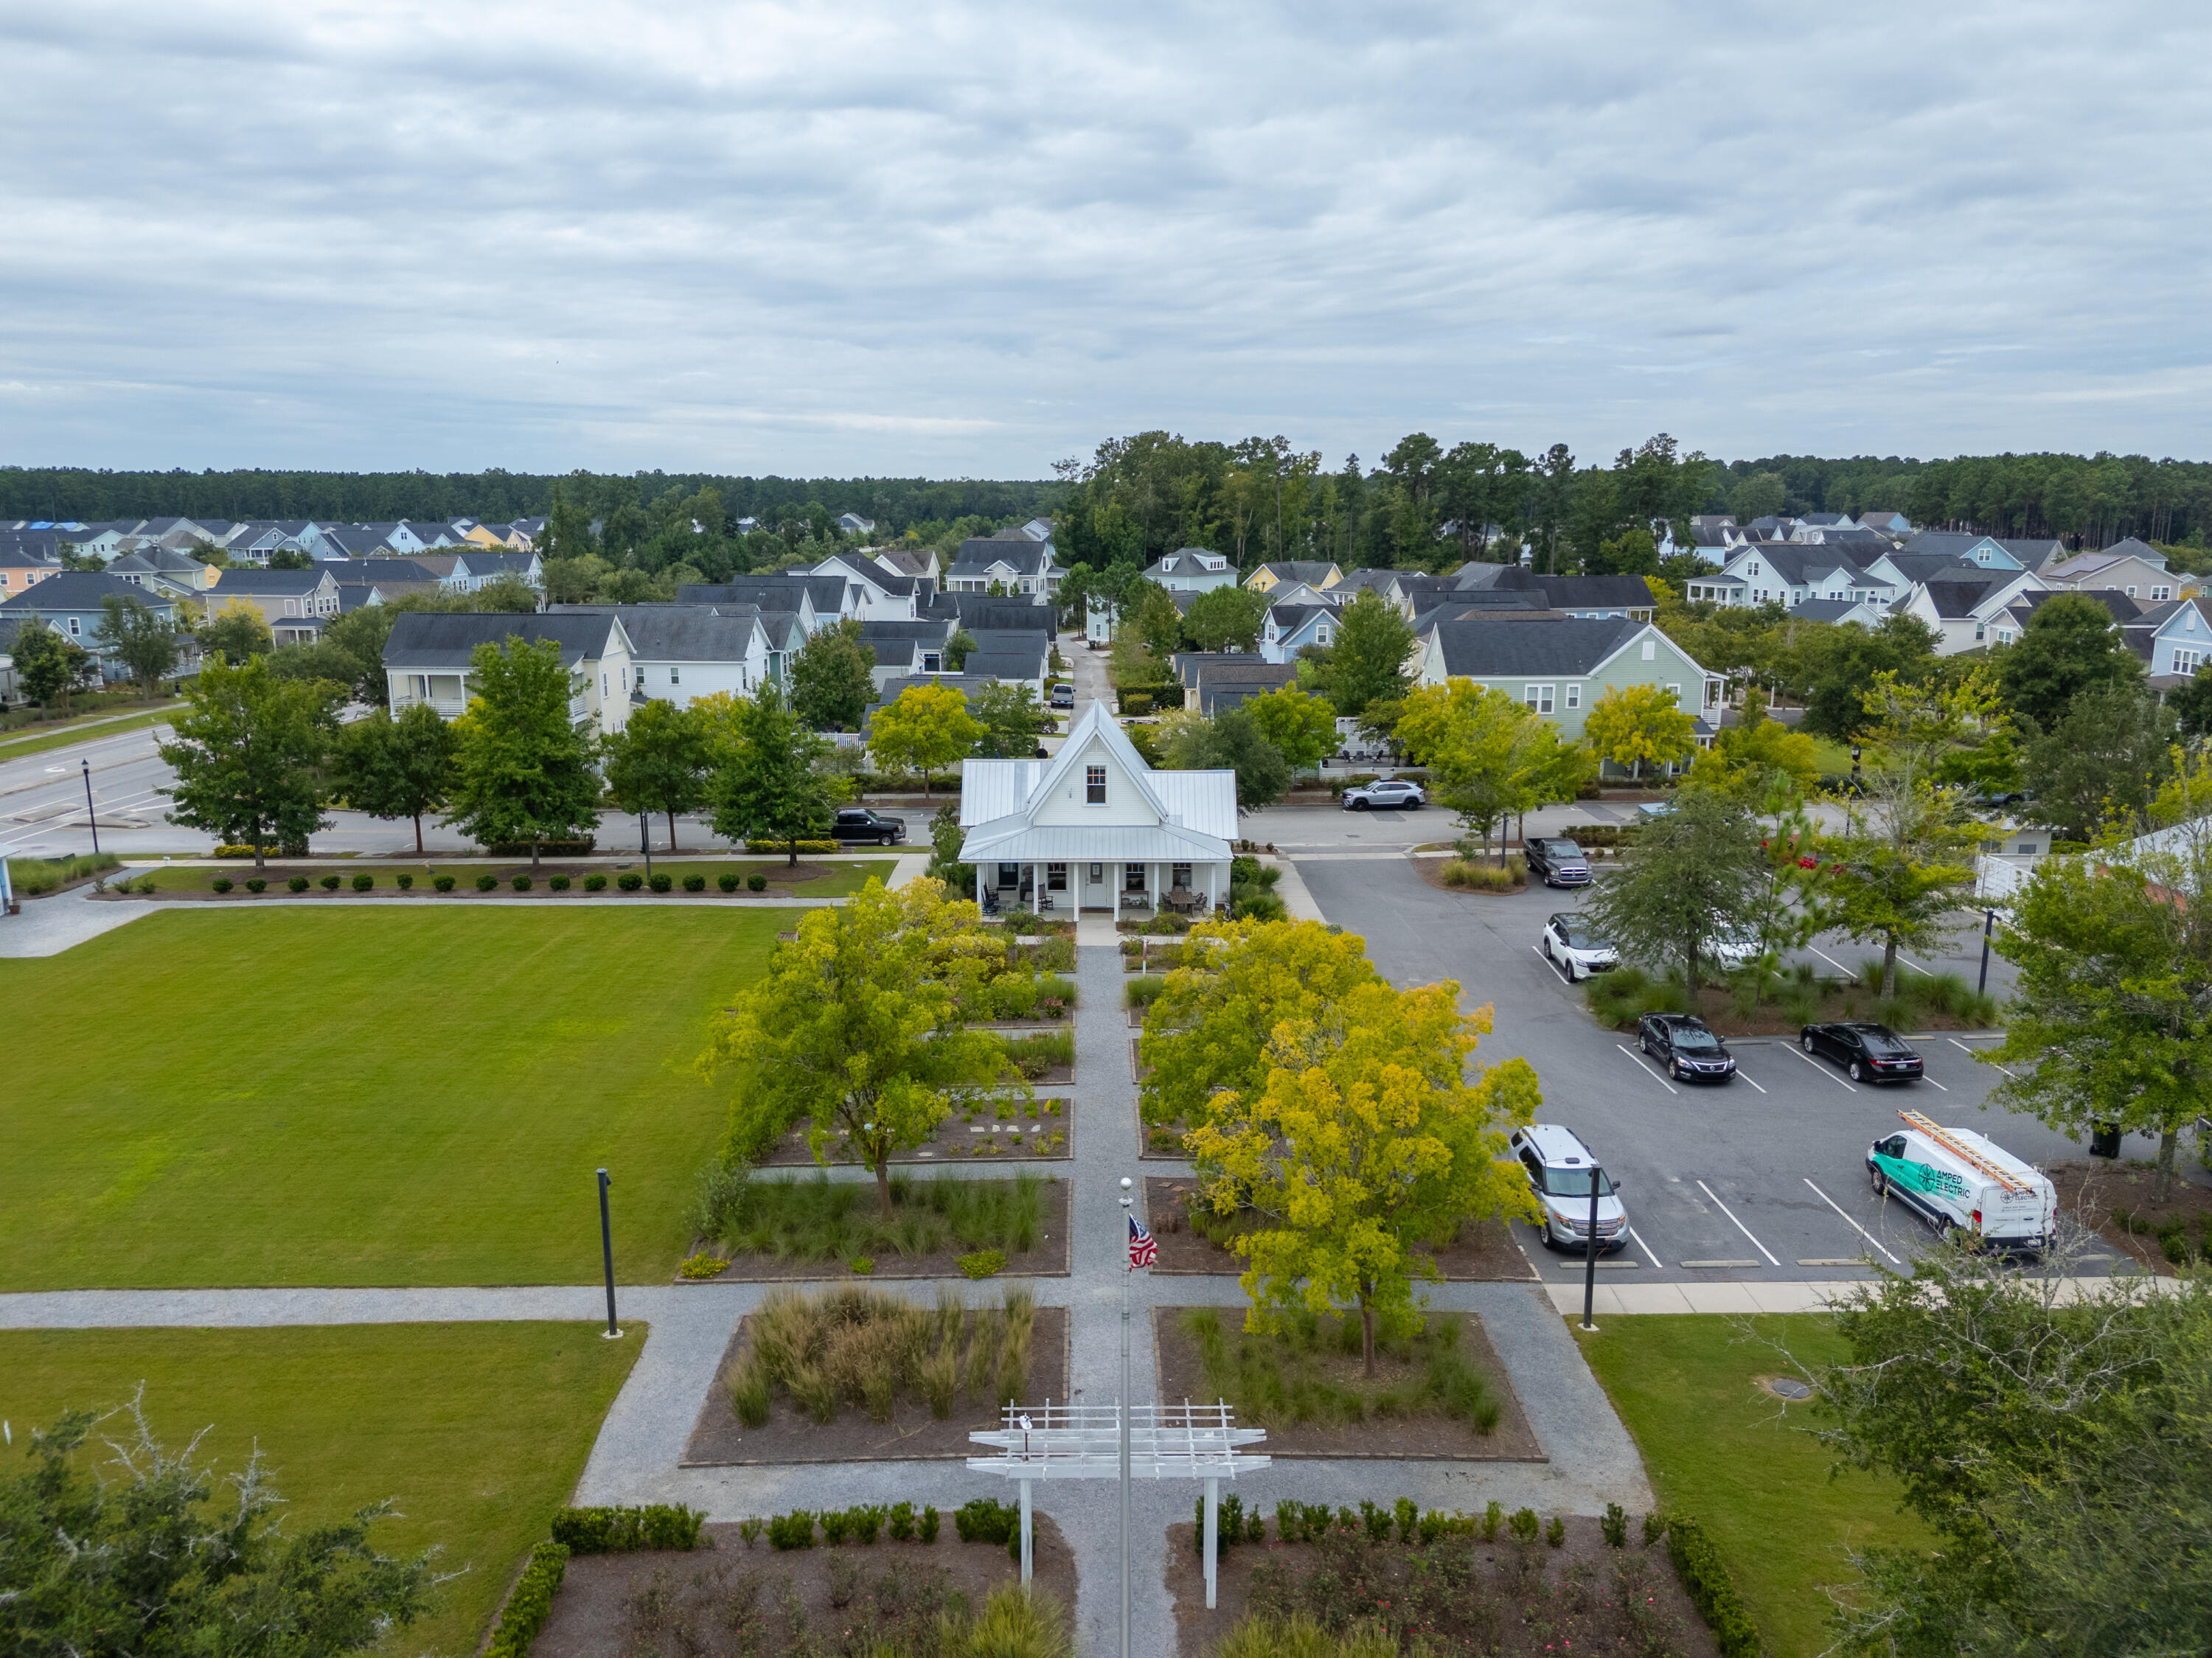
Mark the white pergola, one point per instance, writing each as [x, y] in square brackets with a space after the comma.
[1084, 1442]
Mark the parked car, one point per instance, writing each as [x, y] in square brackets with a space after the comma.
[1063, 696]
[1959, 1181]
[1560, 862]
[863, 826]
[1870, 1052]
[1732, 951]
[1391, 794]
[1573, 947]
[1686, 1045]
[1560, 1168]
[1651, 809]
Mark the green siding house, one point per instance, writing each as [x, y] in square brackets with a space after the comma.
[1561, 664]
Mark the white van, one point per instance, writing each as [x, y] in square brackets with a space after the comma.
[1959, 1181]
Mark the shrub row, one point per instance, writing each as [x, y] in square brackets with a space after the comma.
[625, 1531]
[1705, 1579]
[857, 1524]
[1405, 1520]
[785, 845]
[531, 1604]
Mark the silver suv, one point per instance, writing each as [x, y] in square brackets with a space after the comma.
[1559, 1166]
[1391, 794]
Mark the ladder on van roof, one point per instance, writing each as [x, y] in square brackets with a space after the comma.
[1966, 1154]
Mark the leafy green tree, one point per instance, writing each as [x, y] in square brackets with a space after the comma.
[768, 783]
[235, 633]
[1489, 756]
[1368, 661]
[925, 729]
[394, 769]
[1147, 634]
[1630, 724]
[1760, 495]
[831, 677]
[507, 593]
[1302, 728]
[856, 1029]
[523, 770]
[2103, 761]
[946, 837]
[1010, 720]
[574, 581]
[146, 641]
[1696, 875]
[957, 649]
[1225, 619]
[1366, 1138]
[658, 762]
[1833, 667]
[246, 752]
[290, 558]
[2070, 644]
[141, 1556]
[48, 662]
[1233, 741]
[1756, 751]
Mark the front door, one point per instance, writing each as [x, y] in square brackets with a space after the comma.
[1097, 895]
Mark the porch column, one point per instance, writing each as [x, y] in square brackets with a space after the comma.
[1213, 880]
[1113, 877]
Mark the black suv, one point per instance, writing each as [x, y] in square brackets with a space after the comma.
[1686, 1046]
[1560, 863]
[861, 824]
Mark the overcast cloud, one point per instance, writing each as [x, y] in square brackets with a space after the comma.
[974, 240]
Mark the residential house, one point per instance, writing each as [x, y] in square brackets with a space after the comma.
[476, 569]
[277, 594]
[921, 562]
[1884, 522]
[1094, 827]
[1987, 552]
[905, 647]
[681, 651]
[1010, 657]
[72, 603]
[1318, 574]
[22, 569]
[2130, 566]
[1286, 629]
[2174, 639]
[994, 610]
[853, 524]
[1628, 597]
[766, 592]
[1559, 665]
[157, 568]
[1962, 611]
[429, 657]
[1213, 681]
[881, 596]
[1787, 573]
[1857, 612]
[1011, 563]
[2132, 617]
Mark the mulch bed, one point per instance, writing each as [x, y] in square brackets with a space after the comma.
[2090, 1190]
[1423, 1439]
[683, 1603]
[1050, 1259]
[984, 1140]
[1486, 1252]
[719, 1440]
[1517, 1602]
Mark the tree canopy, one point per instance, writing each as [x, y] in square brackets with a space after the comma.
[523, 770]
[1636, 726]
[1233, 741]
[2070, 644]
[831, 678]
[767, 781]
[400, 768]
[658, 762]
[925, 728]
[245, 751]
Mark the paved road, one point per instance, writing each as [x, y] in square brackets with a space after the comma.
[1764, 1173]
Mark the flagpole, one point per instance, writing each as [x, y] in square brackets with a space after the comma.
[1128, 1266]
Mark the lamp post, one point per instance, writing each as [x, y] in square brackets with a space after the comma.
[645, 841]
[1988, 925]
[1590, 1253]
[1124, 1415]
[607, 1253]
[90, 816]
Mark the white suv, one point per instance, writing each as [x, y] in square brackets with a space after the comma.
[1560, 1167]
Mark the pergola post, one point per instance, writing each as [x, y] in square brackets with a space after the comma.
[1212, 1535]
[1029, 1540]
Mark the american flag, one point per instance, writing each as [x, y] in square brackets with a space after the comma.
[1143, 1252]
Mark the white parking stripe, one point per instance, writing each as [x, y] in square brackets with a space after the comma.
[1832, 962]
[1931, 1081]
[1861, 1230]
[1742, 1078]
[1646, 1248]
[1963, 1048]
[1739, 1226]
[1640, 1066]
[1823, 1069]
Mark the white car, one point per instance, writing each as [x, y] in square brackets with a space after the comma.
[1560, 1167]
[1732, 951]
[1574, 947]
[1391, 794]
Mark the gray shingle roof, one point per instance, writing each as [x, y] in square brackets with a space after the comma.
[1018, 553]
[447, 639]
[284, 584]
[1955, 601]
[1537, 644]
[81, 589]
[679, 633]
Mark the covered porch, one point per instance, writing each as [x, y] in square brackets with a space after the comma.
[1141, 886]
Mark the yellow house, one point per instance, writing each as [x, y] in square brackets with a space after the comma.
[1317, 574]
[477, 536]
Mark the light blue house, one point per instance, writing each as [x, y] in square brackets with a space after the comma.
[71, 604]
[2181, 637]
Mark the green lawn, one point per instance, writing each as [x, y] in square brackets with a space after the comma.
[479, 1431]
[845, 876]
[60, 737]
[1717, 1446]
[364, 1095]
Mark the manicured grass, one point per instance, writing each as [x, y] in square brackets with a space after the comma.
[844, 877]
[479, 1431]
[63, 736]
[393, 1095]
[1718, 1447]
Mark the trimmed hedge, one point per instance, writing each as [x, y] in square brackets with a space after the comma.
[625, 1531]
[531, 1604]
[785, 845]
[545, 848]
[1705, 1579]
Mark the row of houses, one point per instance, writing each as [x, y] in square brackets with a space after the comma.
[257, 540]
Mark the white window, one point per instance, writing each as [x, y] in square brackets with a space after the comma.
[2159, 595]
[1674, 693]
[603, 682]
[74, 628]
[1650, 650]
[2187, 661]
[676, 675]
[2131, 592]
[1978, 633]
[1538, 698]
[1324, 633]
[1094, 785]
[1574, 696]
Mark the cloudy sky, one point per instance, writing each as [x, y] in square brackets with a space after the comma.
[974, 240]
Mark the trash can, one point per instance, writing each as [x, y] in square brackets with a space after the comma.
[2105, 1139]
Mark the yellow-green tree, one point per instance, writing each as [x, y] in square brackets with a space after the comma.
[855, 1028]
[926, 730]
[1488, 756]
[1632, 724]
[1753, 753]
[1366, 1138]
[1303, 728]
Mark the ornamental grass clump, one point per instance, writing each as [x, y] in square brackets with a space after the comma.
[833, 1350]
[1291, 1375]
[818, 1220]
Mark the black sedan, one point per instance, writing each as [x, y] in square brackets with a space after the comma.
[1686, 1045]
[1868, 1052]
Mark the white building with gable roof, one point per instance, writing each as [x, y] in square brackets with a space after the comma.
[1095, 827]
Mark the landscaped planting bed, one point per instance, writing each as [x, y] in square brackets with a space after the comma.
[854, 1374]
[1485, 1252]
[1016, 1130]
[847, 1600]
[1442, 1394]
[1475, 1585]
[2114, 1200]
[1785, 1003]
[765, 1230]
[466, 877]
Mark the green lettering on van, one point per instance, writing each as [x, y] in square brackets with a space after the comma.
[1920, 1176]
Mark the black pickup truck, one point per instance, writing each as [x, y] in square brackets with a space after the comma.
[863, 827]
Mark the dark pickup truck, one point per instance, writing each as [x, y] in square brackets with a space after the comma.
[1560, 863]
[863, 826]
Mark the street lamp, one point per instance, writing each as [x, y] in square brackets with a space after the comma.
[1590, 1253]
[645, 841]
[1989, 924]
[607, 1253]
[90, 816]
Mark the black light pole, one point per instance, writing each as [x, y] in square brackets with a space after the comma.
[645, 840]
[90, 816]
[607, 1251]
[1989, 921]
[1590, 1256]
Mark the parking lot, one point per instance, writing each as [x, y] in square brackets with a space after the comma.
[1762, 1176]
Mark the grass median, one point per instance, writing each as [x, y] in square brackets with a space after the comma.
[364, 1095]
[1719, 1447]
[92, 730]
[479, 1431]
